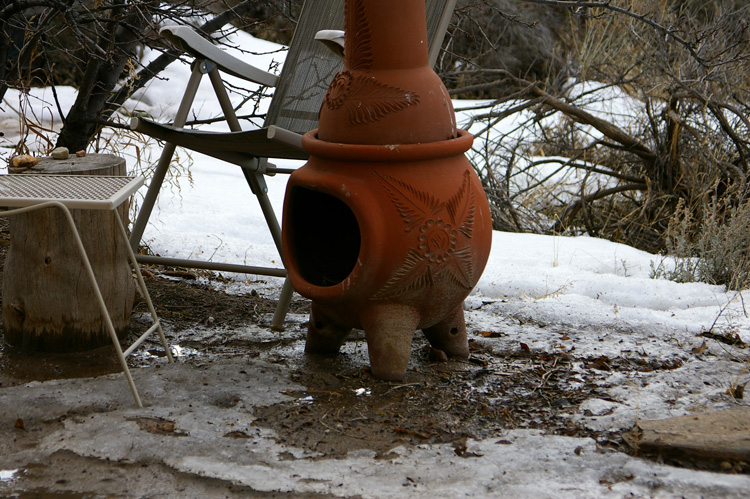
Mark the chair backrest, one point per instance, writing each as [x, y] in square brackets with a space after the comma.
[310, 66]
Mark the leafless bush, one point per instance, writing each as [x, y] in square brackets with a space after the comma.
[95, 46]
[524, 39]
[718, 253]
[652, 117]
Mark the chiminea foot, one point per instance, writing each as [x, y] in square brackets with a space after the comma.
[449, 335]
[389, 330]
[324, 337]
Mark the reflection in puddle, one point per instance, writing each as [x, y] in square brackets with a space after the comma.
[8, 475]
[177, 351]
[20, 367]
[180, 351]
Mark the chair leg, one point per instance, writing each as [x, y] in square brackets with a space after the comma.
[254, 180]
[164, 161]
[282, 307]
[261, 192]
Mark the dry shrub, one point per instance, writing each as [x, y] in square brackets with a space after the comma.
[524, 39]
[713, 248]
[653, 120]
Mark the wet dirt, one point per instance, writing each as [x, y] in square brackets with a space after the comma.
[343, 408]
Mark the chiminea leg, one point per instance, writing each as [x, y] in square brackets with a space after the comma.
[324, 337]
[449, 335]
[389, 330]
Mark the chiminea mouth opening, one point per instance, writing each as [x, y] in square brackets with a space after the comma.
[324, 235]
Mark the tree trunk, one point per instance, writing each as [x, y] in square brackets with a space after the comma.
[101, 76]
[48, 301]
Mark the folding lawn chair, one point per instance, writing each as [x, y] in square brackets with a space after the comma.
[308, 69]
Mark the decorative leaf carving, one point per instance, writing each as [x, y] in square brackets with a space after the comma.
[413, 274]
[461, 207]
[459, 269]
[370, 100]
[338, 90]
[434, 256]
[366, 99]
[359, 37]
[412, 204]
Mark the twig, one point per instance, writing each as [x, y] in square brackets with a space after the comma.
[401, 386]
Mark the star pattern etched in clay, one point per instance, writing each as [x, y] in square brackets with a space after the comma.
[441, 237]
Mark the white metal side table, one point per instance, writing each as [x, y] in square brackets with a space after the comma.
[29, 192]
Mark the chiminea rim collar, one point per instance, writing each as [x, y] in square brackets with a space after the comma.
[387, 152]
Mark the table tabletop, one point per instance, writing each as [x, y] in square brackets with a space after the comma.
[74, 191]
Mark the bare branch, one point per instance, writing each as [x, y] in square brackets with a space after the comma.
[667, 32]
[576, 205]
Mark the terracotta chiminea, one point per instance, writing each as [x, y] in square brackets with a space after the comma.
[387, 227]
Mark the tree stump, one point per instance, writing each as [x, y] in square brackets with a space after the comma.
[48, 302]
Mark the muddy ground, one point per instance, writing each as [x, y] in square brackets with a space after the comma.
[440, 401]
[342, 408]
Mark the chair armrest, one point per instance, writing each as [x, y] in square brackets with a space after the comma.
[233, 147]
[187, 39]
[333, 39]
[284, 136]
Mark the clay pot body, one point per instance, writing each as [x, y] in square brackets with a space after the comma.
[389, 240]
[387, 227]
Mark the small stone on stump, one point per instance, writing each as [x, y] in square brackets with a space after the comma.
[60, 153]
[22, 162]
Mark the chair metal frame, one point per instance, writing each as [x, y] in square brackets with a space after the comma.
[30, 192]
[293, 112]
